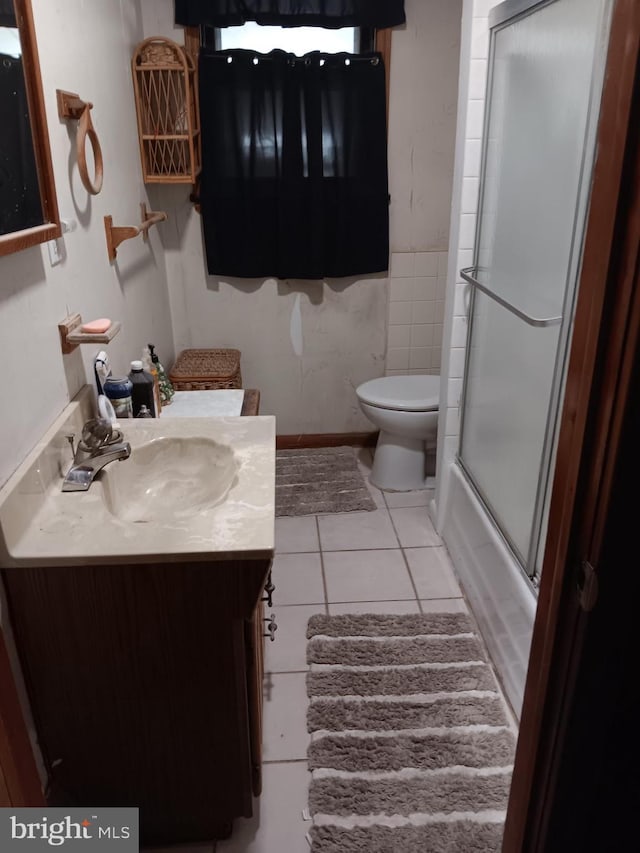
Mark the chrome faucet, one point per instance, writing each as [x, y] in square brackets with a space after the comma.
[99, 446]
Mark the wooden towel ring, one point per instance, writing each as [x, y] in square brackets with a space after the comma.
[71, 105]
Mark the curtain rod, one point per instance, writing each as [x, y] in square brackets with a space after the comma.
[291, 58]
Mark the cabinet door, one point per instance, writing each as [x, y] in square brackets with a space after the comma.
[255, 673]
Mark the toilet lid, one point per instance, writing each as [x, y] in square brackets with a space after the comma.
[402, 393]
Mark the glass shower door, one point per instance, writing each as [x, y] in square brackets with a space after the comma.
[544, 87]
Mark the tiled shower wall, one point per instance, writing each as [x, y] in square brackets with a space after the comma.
[471, 88]
[416, 312]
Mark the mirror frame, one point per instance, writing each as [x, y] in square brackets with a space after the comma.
[15, 241]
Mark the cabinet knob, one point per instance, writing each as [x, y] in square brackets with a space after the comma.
[269, 588]
[271, 627]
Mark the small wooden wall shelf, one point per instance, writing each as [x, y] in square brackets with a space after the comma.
[166, 93]
[117, 234]
[71, 336]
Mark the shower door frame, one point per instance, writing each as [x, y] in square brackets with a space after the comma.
[501, 17]
[605, 340]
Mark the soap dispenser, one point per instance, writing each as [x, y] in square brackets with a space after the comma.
[166, 388]
[150, 367]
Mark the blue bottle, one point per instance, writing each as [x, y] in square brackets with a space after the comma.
[119, 392]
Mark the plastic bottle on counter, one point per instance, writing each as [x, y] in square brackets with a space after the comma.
[142, 390]
[118, 391]
[151, 369]
[164, 383]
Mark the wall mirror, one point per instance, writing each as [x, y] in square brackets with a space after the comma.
[28, 204]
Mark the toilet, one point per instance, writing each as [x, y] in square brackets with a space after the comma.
[405, 409]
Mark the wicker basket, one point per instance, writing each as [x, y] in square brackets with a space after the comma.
[206, 369]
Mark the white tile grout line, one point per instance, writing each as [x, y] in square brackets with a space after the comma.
[287, 671]
[373, 601]
[324, 579]
[406, 562]
[354, 550]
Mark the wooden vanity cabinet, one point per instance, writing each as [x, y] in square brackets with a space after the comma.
[145, 682]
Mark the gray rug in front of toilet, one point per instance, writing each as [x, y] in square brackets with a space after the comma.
[411, 748]
[311, 481]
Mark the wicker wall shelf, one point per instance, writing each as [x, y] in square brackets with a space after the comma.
[166, 93]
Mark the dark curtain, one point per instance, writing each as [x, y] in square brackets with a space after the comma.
[294, 173]
[291, 13]
[7, 14]
[20, 205]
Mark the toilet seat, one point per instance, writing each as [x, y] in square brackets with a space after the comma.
[402, 393]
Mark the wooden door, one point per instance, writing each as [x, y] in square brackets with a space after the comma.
[19, 779]
[552, 760]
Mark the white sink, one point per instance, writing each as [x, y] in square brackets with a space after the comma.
[193, 488]
[169, 478]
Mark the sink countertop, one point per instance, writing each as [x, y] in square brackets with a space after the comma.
[41, 525]
[225, 402]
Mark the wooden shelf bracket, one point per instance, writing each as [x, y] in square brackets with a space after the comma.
[118, 234]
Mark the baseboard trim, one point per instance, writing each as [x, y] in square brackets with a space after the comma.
[327, 439]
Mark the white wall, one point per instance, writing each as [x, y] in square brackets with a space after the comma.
[471, 101]
[422, 126]
[84, 48]
[307, 346]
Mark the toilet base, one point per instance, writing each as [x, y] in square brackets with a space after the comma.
[399, 463]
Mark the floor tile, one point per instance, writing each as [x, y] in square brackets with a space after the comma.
[365, 464]
[365, 457]
[297, 579]
[288, 652]
[414, 527]
[400, 499]
[277, 823]
[432, 573]
[295, 534]
[376, 494]
[367, 576]
[395, 607]
[357, 530]
[444, 605]
[284, 736]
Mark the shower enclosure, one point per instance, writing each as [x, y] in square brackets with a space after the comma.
[544, 86]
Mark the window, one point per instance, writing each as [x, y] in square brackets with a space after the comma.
[297, 40]
[294, 177]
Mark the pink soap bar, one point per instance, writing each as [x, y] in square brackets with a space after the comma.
[96, 327]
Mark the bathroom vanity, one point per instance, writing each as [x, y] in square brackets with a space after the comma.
[137, 614]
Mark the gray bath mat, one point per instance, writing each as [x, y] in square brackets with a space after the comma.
[411, 749]
[319, 480]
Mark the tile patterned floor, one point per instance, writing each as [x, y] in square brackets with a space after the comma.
[390, 560]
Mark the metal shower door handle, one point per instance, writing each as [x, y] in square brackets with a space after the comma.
[541, 322]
